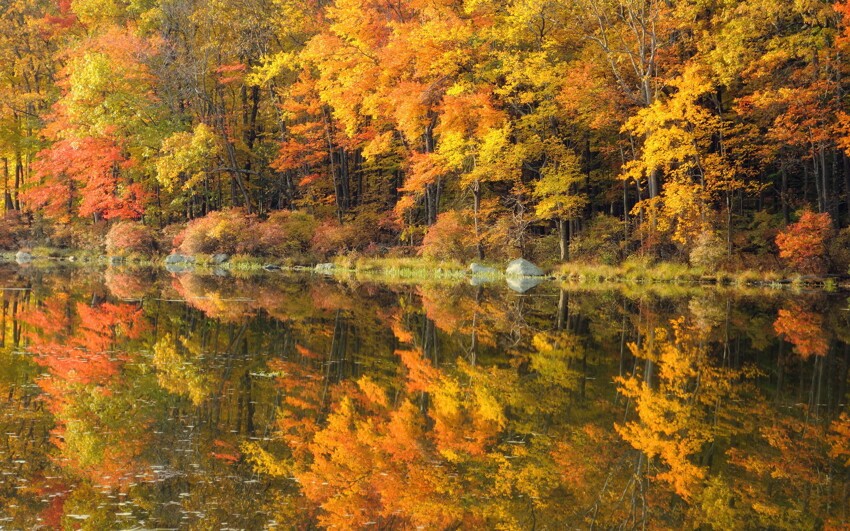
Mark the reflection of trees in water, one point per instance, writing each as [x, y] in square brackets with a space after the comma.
[435, 406]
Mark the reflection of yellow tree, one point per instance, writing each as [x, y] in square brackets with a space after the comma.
[677, 409]
[177, 371]
[440, 450]
[782, 476]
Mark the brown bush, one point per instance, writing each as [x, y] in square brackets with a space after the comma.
[227, 231]
[125, 237]
[332, 238]
[287, 233]
[13, 231]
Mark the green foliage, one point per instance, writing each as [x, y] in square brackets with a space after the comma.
[601, 240]
[287, 233]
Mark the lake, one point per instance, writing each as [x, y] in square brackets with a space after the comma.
[141, 399]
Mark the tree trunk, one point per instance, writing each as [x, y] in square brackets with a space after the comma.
[845, 166]
[783, 194]
[476, 208]
[564, 239]
[7, 195]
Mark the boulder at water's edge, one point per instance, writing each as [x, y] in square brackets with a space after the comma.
[177, 258]
[523, 268]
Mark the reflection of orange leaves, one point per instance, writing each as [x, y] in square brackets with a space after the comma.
[70, 364]
[47, 321]
[400, 332]
[229, 454]
[102, 324]
[572, 463]
[51, 516]
[329, 297]
[212, 302]
[575, 459]
[420, 373]
[126, 285]
[372, 392]
[804, 330]
[795, 456]
[404, 432]
[305, 352]
[446, 312]
[839, 438]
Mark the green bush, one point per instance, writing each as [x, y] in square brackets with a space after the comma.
[287, 233]
[708, 251]
[601, 241]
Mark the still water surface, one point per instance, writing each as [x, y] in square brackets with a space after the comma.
[134, 399]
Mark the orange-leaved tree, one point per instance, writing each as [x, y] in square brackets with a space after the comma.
[803, 244]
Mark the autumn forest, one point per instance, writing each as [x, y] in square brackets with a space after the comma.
[709, 133]
[334, 187]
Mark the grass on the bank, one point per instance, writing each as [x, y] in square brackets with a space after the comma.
[638, 270]
[403, 267]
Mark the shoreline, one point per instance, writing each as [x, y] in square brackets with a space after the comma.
[415, 269]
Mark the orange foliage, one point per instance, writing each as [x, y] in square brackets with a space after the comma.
[449, 238]
[804, 329]
[803, 243]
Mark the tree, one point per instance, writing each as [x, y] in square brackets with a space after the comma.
[803, 244]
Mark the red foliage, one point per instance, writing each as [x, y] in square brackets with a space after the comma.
[803, 243]
[804, 330]
[129, 237]
[332, 238]
[449, 237]
[82, 176]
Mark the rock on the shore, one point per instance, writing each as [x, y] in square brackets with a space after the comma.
[220, 258]
[324, 268]
[177, 258]
[523, 268]
[272, 267]
[478, 269]
[23, 257]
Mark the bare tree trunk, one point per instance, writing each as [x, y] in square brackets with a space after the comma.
[476, 208]
[564, 239]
